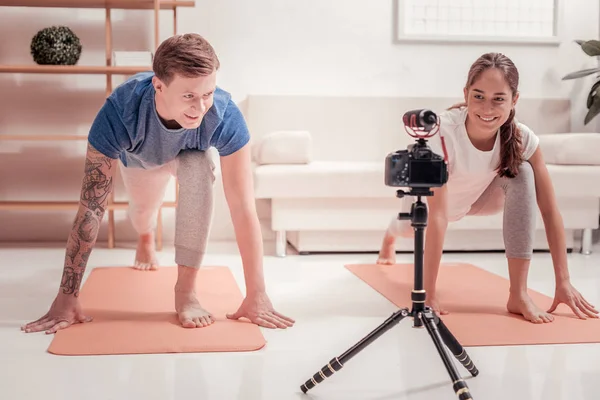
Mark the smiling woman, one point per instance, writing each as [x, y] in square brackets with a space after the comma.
[494, 165]
[491, 94]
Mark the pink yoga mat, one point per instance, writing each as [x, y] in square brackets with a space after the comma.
[476, 302]
[134, 313]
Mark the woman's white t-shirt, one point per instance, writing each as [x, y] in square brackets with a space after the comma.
[470, 170]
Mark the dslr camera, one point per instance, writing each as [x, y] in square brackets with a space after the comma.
[417, 166]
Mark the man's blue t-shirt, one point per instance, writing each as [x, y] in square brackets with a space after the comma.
[128, 127]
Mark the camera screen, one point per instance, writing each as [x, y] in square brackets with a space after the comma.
[424, 172]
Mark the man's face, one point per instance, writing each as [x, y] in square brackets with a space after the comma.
[185, 100]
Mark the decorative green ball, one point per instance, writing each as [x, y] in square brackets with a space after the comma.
[57, 45]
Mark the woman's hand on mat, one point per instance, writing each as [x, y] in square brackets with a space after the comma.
[64, 312]
[258, 310]
[566, 293]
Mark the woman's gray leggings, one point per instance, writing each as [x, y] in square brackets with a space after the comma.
[517, 197]
[146, 188]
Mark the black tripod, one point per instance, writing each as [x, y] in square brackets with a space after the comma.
[421, 314]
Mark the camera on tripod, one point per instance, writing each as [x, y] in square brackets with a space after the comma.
[417, 166]
[420, 169]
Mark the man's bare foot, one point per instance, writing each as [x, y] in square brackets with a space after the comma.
[190, 312]
[521, 303]
[387, 254]
[145, 255]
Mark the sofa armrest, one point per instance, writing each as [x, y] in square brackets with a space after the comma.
[571, 148]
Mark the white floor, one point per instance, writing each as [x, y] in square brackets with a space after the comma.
[333, 310]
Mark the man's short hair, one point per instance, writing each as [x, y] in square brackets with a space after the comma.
[188, 55]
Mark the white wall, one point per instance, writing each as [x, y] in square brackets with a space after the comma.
[316, 47]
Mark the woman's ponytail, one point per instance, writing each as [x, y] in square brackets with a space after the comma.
[511, 154]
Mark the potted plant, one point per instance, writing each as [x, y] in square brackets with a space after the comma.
[592, 49]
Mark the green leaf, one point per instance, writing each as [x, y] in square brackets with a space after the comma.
[590, 99]
[594, 109]
[591, 47]
[580, 74]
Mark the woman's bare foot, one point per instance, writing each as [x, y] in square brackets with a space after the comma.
[521, 303]
[401, 228]
[387, 254]
[191, 314]
[145, 255]
[432, 302]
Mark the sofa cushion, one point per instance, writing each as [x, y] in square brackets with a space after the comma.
[571, 148]
[330, 179]
[283, 147]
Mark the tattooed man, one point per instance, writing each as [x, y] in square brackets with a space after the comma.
[157, 125]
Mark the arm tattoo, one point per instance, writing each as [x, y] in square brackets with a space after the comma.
[88, 229]
[73, 250]
[96, 187]
[71, 281]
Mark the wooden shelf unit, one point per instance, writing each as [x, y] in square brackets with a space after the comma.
[114, 4]
[108, 70]
[72, 69]
[64, 205]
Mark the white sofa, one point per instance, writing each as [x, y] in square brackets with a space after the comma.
[319, 165]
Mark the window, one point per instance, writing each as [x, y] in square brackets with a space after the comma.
[500, 21]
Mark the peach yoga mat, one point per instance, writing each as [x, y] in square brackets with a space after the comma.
[476, 302]
[134, 313]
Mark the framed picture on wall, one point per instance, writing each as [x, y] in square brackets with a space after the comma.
[487, 21]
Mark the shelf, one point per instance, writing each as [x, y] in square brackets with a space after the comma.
[107, 72]
[63, 205]
[72, 69]
[42, 138]
[116, 4]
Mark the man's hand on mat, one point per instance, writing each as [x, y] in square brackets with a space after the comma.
[566, 293]
[64, 312]
[258, 310]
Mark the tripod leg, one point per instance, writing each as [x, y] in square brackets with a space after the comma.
[455, 347]
[460, 386]
[338, 362]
